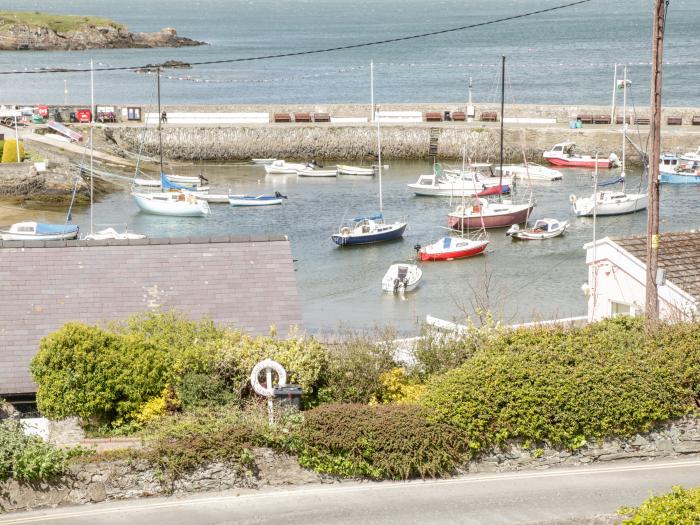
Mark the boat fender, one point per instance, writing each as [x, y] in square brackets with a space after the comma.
[345, 231]
[460, 209]
[572, 198]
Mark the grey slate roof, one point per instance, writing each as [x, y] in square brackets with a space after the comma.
[245, 282]
[679, 255]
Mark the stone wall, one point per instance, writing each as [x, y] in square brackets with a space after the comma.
[132, 479]
[94, 482]
[672, 440]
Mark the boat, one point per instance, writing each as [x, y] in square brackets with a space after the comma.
[38, 231]
[281, 167]
[111, 233]
[211, 198]
[147, 183]
[373, 228]
[679, 170]
[344, 169]
[256, 200]
[175, 204]
[542, 229]
[457, 184]
[532, 172]
[190, 180]
[262, 161]
[482, 213]
[450, 247]
[317, 172]
[172, 199]
[401, 278]
[562, 154]
[608, 203]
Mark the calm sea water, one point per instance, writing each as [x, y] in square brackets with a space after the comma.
[518, 280]
[563, 57]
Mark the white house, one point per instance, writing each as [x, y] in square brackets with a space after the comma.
[617, 276]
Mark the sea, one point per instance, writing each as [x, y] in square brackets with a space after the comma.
[564, 57]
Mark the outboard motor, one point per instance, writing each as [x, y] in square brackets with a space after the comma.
[614, 159]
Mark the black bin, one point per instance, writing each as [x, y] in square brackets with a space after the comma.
[448, 116]
[73, 118]
[288, 396]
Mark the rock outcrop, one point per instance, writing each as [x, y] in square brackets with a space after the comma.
[40, 38]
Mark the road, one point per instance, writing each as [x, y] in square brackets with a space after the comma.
[561, 496]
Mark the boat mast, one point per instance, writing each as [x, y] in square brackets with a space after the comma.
[503, 96]
[160, 134]
[92, 125]
[624, 121]
[371, 90]
[612, 106]
[379, 156]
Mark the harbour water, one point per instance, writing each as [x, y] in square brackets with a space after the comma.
[560, 57]
[341, 286]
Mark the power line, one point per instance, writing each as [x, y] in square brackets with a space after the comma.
[318, 51]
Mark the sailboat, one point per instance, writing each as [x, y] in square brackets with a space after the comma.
[372, 228]
[480, 212]
[611, 202]
[175, 204]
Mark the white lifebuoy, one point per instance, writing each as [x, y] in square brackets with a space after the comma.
[267, 364]
[572, 198]
[345, 231]
[460, 209]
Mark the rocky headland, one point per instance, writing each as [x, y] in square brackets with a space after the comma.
[35, 31]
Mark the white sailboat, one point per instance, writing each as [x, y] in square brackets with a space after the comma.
[174, 204]
[611, 202]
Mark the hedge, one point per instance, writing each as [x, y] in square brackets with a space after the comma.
[9, 151]
[563, 386]
[679, 507]
[380, 441]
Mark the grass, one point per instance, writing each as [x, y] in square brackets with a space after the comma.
[58, 23]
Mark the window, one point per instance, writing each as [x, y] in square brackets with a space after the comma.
[621, 309]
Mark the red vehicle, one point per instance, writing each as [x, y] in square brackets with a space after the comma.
[84, 115]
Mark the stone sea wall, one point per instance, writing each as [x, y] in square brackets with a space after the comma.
[398, 141]
[131, 479]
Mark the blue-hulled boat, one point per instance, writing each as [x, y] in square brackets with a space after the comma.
[679, 170]
[37, 231]
[256, 200]
[367, 230]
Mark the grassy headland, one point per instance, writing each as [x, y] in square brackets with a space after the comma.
[57, 23]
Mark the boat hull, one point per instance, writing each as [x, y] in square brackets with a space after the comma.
[499, 220]
[579, 163]
[457, 254]
[354, 170]
[679, 178]
[7, 236]
[317, 173]
[584, 207]
[193, 208]
[241, 201]
[369, 238]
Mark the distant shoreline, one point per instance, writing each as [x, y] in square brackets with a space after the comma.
[36, 31]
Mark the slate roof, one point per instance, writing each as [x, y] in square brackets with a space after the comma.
[679, 255]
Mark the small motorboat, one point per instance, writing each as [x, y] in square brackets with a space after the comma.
[37, 231]
[562, 154]
[256, 200]
[532, 172]
[542, 229]
[449, 248]
[111, 233]
[344, 169]
[401, 278]
[211, 198]
[175, 204]
[317, 171]
[282, 167]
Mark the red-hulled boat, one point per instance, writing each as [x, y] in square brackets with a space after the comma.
[484, 214]
[449, 248]
[562, 154]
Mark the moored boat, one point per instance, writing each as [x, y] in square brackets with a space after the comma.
[344, 169]
[368, 230]
[317, 172]
[175, 204]
[532, 172]
[37, 231]
[449, 248]
[111, 233]
[562, 154]
[401, 278]
[541, 229]
[483, 213]
[256, 200]
[608, 203]
[281, 167]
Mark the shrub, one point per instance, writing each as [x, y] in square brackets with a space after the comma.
[199, 390]
[9, 151]
[28, 458]
[564, 386]
[382, 441]
[356, 364]
[398, 387]
[678, 507]
[88, 372]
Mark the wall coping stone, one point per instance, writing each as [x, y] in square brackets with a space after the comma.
[153, 241]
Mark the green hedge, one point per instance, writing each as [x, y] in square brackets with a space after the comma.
[563, 386]
[679, 507]
[380, 441]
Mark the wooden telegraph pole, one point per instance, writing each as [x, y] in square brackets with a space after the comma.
[653, 239]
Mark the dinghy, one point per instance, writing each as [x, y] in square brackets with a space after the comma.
[401, 278]
[344, 169]
[281, 167]
[542, 229]
[256, 200]
[449, 248]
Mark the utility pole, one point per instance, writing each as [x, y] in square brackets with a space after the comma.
[653, 239]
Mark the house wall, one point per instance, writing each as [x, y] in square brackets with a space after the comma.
[615, 275]
[245, 282]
